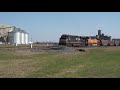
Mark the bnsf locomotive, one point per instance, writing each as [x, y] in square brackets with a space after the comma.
[82, 41]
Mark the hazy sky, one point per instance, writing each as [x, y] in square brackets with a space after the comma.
[49, 26]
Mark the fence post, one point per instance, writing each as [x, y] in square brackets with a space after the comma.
[30, 45]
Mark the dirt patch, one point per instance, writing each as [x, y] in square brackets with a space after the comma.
[68, 54]
[24, 52]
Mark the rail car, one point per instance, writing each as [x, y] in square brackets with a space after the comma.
[109, 43]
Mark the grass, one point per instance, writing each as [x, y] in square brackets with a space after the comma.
[94, 63]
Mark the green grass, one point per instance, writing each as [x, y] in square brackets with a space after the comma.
[94, 63]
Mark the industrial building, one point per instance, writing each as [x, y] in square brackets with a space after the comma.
[13, 35]
[101, 36]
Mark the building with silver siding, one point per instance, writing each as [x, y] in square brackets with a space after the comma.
[18, 36]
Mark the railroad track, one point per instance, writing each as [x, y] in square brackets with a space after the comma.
[56, 48]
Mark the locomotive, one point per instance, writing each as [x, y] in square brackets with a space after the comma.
[72, 40]
[83, 41]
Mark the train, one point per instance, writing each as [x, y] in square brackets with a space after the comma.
[84, 41]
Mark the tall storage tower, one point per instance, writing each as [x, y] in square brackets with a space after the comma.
[18, 36]
[14, 36]
[26, 37]
[99, 32]
[22, 37]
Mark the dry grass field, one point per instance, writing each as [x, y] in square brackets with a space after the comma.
[93, 63]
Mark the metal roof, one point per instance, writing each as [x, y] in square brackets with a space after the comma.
[18, 30]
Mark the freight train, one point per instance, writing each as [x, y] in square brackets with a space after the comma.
[84, 41]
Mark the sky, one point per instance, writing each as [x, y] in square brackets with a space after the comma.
[49, 26]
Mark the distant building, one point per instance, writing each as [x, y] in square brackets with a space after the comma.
[102, 36]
